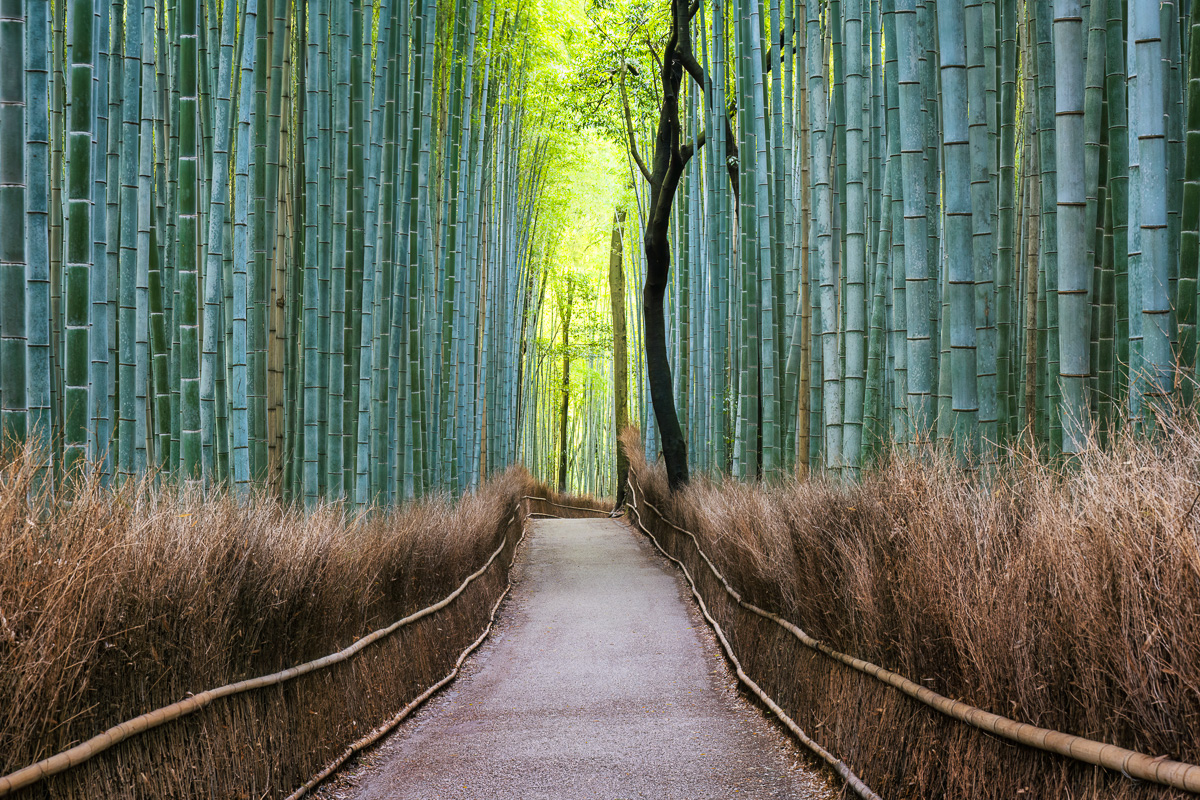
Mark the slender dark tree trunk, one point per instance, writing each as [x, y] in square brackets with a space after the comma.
[663, 175]
[566, 388]
[616, 290]
[658, 366]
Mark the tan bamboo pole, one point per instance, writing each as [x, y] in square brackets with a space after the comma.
[1161, 770]
[80, 753]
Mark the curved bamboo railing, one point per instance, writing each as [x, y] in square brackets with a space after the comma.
[1160, 770]
[80, 753]
[402, 714]
[561, 505]
[840, 767]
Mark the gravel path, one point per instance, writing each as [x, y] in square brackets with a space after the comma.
[601, 681]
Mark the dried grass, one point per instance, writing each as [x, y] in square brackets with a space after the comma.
[119, 602]
[1066, 598]
[568, 506]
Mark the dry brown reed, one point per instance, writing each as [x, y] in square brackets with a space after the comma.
[1068, 598]
[116, 602]
[568, 506]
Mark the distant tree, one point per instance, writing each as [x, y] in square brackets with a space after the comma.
[563, 444]
[616, 287]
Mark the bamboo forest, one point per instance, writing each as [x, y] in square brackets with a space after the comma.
[365, 250]
[804, 392]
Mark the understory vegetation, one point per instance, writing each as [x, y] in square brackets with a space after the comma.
[1064, 598]
[119, 601]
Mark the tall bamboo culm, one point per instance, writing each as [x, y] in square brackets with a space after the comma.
[216, 200]
[1007, 189]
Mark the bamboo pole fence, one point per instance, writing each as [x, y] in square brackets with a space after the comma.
[79, 754]
[1140, 766]
[839, 766]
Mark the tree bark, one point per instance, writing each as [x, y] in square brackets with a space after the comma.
[566, 389]
[658, 365]
[663, 175]
[616, 290]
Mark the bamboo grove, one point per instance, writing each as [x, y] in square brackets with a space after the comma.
[965, 221]
[266, 242]
[569, 436]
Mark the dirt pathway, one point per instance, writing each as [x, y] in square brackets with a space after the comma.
[601, 681]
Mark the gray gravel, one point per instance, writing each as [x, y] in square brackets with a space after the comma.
[600, 681]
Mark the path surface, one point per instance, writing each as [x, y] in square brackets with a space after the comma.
[601, 681]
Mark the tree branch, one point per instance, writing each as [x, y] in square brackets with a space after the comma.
[629, 132]
[693, 68]
[654, 53]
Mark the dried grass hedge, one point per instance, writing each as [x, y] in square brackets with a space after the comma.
[120, 602]
[568, 506]
[1065, 598]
